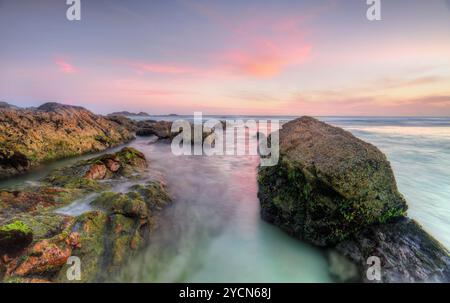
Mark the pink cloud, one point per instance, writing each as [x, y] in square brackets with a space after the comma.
[66, 67]
[264, 45]
[266, 61]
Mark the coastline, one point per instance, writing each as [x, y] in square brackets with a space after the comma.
[87, 156]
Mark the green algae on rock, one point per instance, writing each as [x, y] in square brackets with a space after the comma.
[14, 236]
[328, 184]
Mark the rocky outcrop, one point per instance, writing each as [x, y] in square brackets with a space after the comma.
[129, 114]
[4, 105]
[161, 129]
[39, 241]
[52, 131]
[330, 187]
[127, 123]
[328, 184]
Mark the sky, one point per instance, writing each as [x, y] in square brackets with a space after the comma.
[253, 57]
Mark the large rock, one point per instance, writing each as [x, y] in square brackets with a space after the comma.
[52, 131]
[328, 184]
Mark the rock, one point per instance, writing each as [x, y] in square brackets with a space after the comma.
[154, 193]
[112, 164]
[12, 162]
[29, 137]
[161, 129]
[46, 225]
[140, 202]
[129, 114]
[84, 174]
[127, 123]
[13, 202]
[96, 172]
[328, 184]
[14, 237]
[407, 253]
[123, 204]
[46, 257]
[131, 160]
[341, 268]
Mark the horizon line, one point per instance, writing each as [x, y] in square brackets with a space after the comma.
[236, 115]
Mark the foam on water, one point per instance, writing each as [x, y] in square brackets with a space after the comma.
[78, 207]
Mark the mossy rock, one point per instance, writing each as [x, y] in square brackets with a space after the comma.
[118, 203]
[47, 225]
[53, 131]
[328, 184]
[15, 236]
[92, 228]
[154, 193]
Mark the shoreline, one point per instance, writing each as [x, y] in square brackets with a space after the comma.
[38, 172]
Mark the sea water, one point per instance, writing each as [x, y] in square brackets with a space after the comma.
[213, 232]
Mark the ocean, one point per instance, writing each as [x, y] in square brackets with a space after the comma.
[213, 231]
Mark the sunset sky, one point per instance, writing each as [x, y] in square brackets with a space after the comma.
[229, 57]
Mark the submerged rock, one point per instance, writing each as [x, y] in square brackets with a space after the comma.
[52, 131]
[328, 184]
[334, 190]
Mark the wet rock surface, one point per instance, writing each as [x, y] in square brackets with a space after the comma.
[52, 131]
[328, 184]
